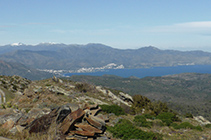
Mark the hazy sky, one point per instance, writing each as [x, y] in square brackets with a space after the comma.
[166, 24]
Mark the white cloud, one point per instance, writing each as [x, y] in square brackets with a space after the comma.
[202, 28]
[202, 24]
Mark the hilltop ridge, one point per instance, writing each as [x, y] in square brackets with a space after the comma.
[63, 109]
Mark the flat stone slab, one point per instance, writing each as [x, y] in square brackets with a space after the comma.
[98, 123]
[84, 133]
[89, 128]
[70, 120]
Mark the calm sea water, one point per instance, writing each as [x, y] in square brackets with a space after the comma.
[155, 71]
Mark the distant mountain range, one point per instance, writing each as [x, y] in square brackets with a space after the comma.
[73, 57]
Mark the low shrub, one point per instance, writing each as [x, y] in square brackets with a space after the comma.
[125, 130]
[117, 110]
[167, 118]
[186, 125]
[188, 115]
[208, 125]
[141, 121]
[149, 116]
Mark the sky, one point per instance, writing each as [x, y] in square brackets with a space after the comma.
[125, 24]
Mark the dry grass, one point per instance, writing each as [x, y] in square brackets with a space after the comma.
[25, 135]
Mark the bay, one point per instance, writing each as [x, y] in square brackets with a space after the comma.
[154, 71]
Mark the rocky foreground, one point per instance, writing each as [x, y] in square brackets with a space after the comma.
[61, 110]
[55, 109]
[65, 122]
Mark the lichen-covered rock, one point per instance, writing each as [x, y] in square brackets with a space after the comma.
[43, 123]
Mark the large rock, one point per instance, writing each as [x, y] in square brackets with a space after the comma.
[43, 123]
[70, 120]
[63, 111]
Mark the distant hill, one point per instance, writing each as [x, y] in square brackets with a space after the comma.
[12, 68]
[186, 93]
[72, 57]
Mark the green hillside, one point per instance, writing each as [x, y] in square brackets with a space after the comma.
[186, 93]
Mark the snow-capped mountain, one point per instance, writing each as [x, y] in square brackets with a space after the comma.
[17, 44]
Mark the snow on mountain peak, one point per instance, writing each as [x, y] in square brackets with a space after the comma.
[48, 43]
[17, 44]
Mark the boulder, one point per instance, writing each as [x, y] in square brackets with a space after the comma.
[63, 111]
[43, 123]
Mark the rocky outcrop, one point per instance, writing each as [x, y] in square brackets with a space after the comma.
[202, 120]
[126, 97]
[121, 98]
[69, 121]
[14, 83]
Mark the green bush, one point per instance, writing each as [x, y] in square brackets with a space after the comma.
[208, 125]
[141, 121]
[159, 107]
[125, 130]
[167, 118]
[149, 116]
[81, 87]
[140, 102]
[117, 110]
[188, 115]
[186, 125]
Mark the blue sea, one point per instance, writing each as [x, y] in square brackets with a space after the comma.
[154, 71]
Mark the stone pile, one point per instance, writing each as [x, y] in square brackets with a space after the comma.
[65, 122]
